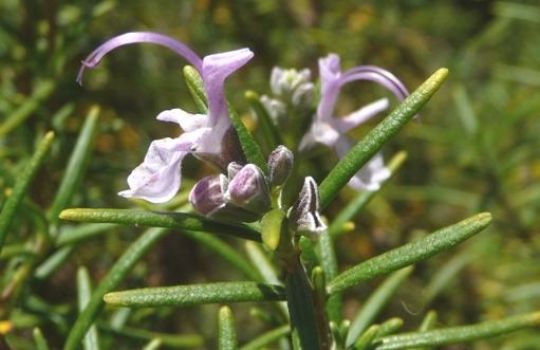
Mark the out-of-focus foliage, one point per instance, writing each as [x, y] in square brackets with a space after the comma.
[474, 148]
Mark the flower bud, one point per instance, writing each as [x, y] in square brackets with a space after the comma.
[208, 198]
[304, 215]
[275, 108]
[232, 169]
[207, 194]
[248, 190]
[303, 95]
[280, 164]
[283, 82]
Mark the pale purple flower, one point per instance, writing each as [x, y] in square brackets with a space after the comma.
[331, 131]
[208, 136]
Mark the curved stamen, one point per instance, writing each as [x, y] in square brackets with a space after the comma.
[378, 75]
[97, 55]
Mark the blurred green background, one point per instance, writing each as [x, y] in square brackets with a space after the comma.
[474, 148]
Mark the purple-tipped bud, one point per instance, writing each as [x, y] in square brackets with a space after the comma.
[304, 215]
[280, 164]
[248, 189]
[207, 196]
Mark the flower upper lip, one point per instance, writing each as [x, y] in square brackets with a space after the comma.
[157, 179]
[331, 131]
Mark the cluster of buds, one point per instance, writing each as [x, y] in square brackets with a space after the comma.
[290, 87]
[244, 194]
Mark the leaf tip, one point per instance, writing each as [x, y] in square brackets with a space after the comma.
[67, 214]
[49, 136]
[190, 71]
[94, 112]
[225, 312]
[397, 160]
[251, 95]
[110, 298]
[436, 79]
[484, 219]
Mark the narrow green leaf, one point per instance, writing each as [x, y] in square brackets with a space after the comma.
[138, 217]
[365, 340]
[261, 262]
[265, 268]
[16, 249]
[428, 323]
[153, 344]
[12, 203]
[390, 326]
[373, 306]
[227, 333]
[31, 104]
[265, 126]
[76, 166]
[196, 294]
[362, 198]
[39, 339]
[444, 276]
[195, 86]
[329, 264]
[53, 262]
[168, 340]
[76, 234]
[366, 148]
[267, 338]
[84, 291]
[251, 148]
[113, 278]
[453, 335]
[465, 110]
[410, 253]
[271, 224]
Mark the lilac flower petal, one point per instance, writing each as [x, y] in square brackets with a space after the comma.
[158, 178]
[139, 37]
[215, 69]
[378, 75]
[187, 121]
[330, 75]
[360, 116]
[320, 132]
[371, 175]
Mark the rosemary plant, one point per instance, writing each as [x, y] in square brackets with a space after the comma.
[264, 190]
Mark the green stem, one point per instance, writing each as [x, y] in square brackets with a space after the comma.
[305, 322]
